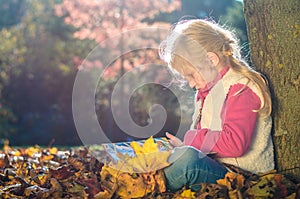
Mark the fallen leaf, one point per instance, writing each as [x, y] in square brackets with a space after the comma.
[32, 151]
[92, 185]
[4, 162]
[149, 146]
[187, 193]
[232, 181]
[61, 173]
[56, 188]
[53, 150]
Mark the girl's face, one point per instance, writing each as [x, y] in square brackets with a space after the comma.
[198, 78]
[194, 78]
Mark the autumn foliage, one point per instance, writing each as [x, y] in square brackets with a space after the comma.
[87, 172]
[101, 21]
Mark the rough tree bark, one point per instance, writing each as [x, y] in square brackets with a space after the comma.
[274, 34]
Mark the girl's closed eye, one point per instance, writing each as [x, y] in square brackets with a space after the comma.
[187, 77]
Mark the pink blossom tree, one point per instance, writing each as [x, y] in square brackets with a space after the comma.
[99, 20]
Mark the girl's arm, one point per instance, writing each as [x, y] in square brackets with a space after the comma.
[239, 122]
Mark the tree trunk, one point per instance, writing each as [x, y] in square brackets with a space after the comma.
[274, 34]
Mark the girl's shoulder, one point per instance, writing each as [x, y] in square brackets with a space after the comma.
[232, 78]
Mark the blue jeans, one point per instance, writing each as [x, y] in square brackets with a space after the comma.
[190, 167]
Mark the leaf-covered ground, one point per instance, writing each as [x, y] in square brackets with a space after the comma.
[36, 172]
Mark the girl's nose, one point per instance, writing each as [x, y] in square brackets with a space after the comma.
[192, 83]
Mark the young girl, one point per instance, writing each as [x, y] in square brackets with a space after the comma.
[232, 106]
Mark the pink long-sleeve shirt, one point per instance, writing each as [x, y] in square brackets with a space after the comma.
[238, 118]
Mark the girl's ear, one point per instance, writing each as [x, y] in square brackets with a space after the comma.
[213, 58]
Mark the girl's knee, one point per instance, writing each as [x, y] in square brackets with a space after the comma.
[186, 154]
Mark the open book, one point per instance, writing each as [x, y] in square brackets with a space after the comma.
[124, 148]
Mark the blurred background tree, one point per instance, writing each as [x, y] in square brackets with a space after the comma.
[38, 62]
[11, 54]
[11, 12]
[43, 44]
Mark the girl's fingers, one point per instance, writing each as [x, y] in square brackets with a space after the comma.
[173, 140]
[169, 135]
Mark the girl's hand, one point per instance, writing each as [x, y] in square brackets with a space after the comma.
[173, 140]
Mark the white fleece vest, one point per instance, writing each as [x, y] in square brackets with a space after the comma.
[260, 157]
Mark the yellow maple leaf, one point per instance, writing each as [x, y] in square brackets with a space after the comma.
[232, 177]
[134, 177]
[47, 157]
[132, 187]
[148, 158]
[31, 151]
[17, 153]
[136, 147]
[129, 185]
[187, 193]
[53, 150]
[149, 146]
[142, 163]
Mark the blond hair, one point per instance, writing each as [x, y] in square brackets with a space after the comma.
[190, 40]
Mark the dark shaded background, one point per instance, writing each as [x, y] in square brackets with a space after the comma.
[38, 65]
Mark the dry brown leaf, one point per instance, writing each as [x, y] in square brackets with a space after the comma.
[4, 162]
[232, 181]
[91, 184]
[76, 163]
[61, 173]
[56, 188]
